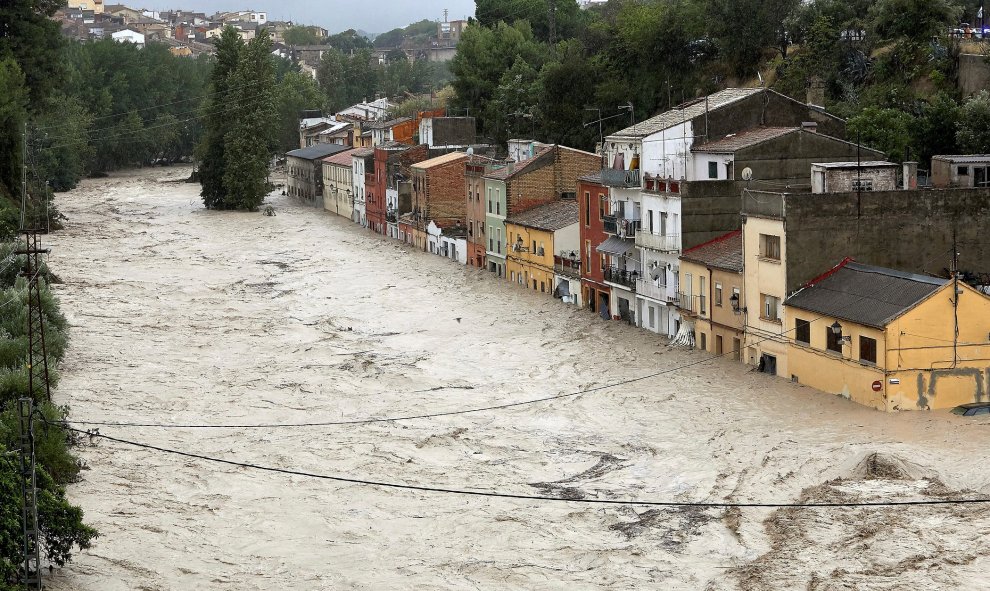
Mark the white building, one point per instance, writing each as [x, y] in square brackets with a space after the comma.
[364, 162]
[128, 36]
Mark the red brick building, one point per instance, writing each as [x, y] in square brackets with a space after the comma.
[392, 162]
[592, 197]
[474, 169]
[438, 194]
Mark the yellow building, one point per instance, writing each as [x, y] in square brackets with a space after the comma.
[338, 184]
[765, 264]
[538, 240]
[890, 340]
[712, 294]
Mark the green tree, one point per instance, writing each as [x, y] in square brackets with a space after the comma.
[912, 19]
[213, 157]
[13, 114]
[973, 133]
[296, 92]
[887, 130]
[744, 29]
[349, 40]
[251, 139]
[935, 130]
[301, 36]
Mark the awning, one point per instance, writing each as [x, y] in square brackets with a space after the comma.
[616, 246]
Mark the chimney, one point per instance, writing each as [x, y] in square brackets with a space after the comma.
[910, 176]
[810, 126]
[816, 93]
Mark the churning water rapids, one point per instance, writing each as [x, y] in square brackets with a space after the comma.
[182, 315]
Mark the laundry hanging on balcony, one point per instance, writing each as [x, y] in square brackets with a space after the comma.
[620, 161]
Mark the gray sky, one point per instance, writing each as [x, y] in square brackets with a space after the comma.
[373, 16]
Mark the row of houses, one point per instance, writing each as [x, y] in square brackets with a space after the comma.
[742, 224]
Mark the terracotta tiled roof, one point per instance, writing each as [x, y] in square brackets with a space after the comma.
[341, 158]
[550, 217]
[724, 252]
[511, 170]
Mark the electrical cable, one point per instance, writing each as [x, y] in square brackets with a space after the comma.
[525, 497]
[502, 406]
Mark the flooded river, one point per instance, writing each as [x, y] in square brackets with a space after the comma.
[185, 316]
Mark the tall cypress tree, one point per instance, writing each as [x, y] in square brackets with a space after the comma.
[218, 111]
[250, 140]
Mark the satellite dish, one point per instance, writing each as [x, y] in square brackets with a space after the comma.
[470, 151]
[656, 273]
[747, 174]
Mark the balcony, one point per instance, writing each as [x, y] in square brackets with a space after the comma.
[662, 243]
[392, 217]
[650, 289]
[692, 305]
[624, 277]
[567, 267]
[610, 224]
[623, 179]
[657, 184]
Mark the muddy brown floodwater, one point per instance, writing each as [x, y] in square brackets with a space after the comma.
[181, 315]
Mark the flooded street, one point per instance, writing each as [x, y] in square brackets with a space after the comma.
[185, 316]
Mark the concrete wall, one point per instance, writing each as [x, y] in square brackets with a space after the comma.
[906, 230]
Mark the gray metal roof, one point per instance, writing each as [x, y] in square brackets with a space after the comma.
[697, 108]
[963, 158]
[616, 246]
[317, 151]
[863, 164]
[867, 295]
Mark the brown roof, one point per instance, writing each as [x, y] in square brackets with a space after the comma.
[744, 139]
[502, 174]
[551, 217]
[341, 158]
[724, 252]
[363, 152]
[440, 160]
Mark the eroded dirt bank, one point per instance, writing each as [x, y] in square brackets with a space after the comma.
[180, 315]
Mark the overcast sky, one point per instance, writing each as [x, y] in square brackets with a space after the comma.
[373, 16]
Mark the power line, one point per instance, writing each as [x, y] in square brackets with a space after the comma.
[525, 497]
[462, 411]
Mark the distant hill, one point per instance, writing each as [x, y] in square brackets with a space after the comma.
[417, 32]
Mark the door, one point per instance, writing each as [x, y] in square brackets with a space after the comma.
[736, 348]
[603, 310]
[718, 344]
[768, 364]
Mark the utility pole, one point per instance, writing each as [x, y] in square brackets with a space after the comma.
[29, 496]
[37, 351]
[955, 300]
[24, 174]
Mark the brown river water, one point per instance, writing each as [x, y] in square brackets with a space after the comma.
[182, 315]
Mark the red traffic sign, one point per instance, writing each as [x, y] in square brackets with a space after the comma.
[877, 386]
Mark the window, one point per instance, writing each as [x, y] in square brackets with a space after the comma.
[587, 256]
[602, 208]
[863, 185]
[534, 247]
[498, 240]
[832, 342]
[653, 316]
[802, 331]
[963, 171]
[498, 208]
[587, 208]
[663, 223]
[702, 292]
[713, 170]
[770, 307]
[534, 285]
[649, 215]
[868, 350]
[770, 247]
[718, 294]
[601, 258]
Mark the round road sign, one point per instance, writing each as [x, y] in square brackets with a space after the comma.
[877, 386]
